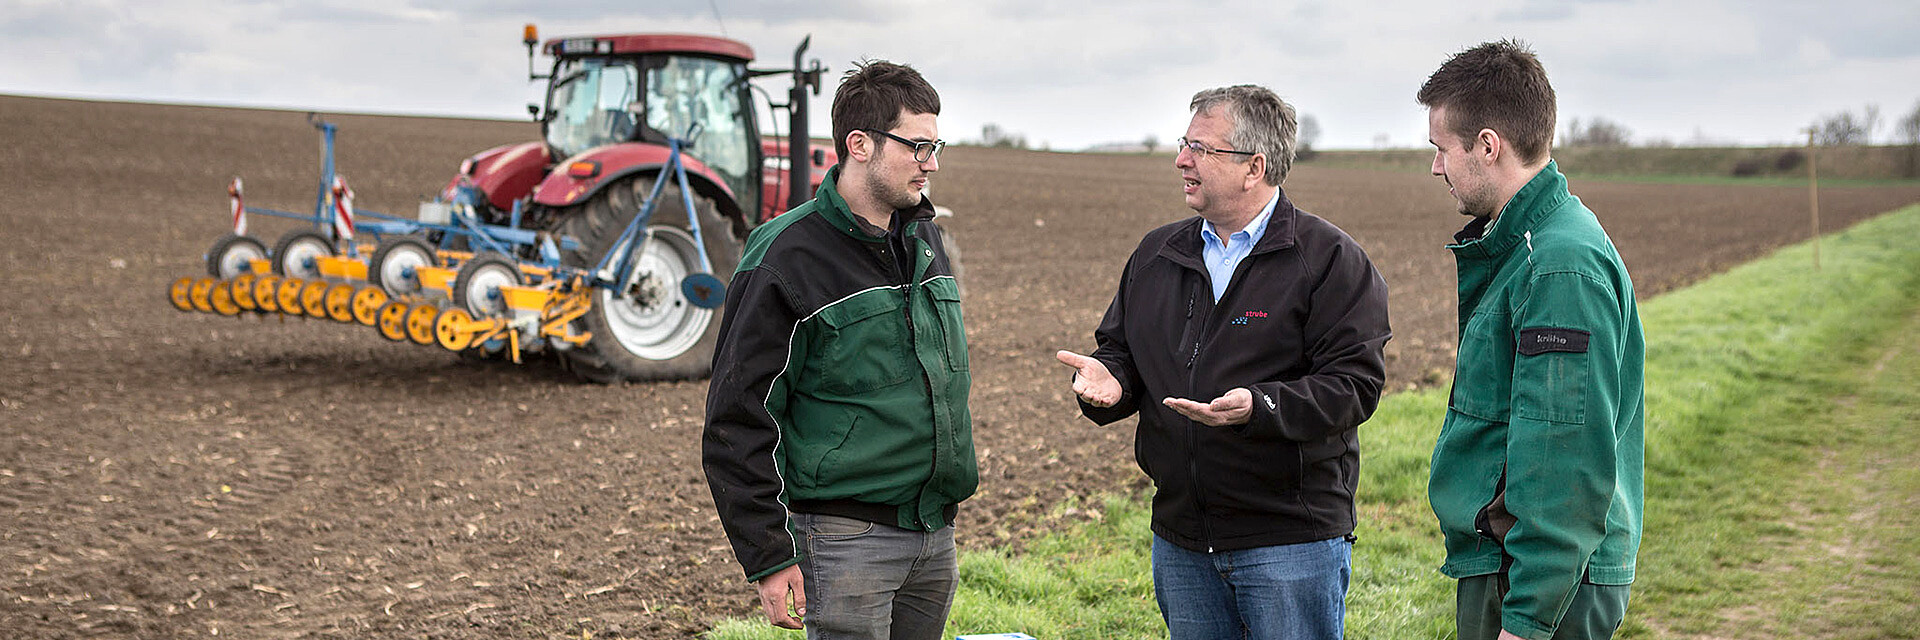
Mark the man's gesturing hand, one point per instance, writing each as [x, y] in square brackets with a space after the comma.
[774, 592]
[1233, 408]
[1092, 382]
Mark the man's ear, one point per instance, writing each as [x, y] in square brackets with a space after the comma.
[1489, 146]
[1256, 172]
[859, 146]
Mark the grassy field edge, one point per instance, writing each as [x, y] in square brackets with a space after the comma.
[1739, 367]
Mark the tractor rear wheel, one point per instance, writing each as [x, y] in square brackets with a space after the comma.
[652, 332]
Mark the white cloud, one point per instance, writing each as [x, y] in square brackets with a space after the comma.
[1070, 72]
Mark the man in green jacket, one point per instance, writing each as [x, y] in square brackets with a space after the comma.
[1536, 476]
[838, 444]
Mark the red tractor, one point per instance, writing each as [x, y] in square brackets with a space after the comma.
[612, 103]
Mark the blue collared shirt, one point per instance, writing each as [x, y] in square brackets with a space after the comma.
[1221, 259]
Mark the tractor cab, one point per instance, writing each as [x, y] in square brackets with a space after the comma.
[608, 90]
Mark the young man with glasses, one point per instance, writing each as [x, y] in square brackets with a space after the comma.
[1536, 477]
[838, 443]
[1249, 340]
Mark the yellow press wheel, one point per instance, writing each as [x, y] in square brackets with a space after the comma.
[451, 329]
[391, 320]
[266, 292]
[180, 292]
[220, 297]
[420, 323]
[201, 294]
[366, 304]
[339, 302]
[313, 298]
[288, 295]
[242, 287]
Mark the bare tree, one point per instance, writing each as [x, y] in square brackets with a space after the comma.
[1151, 142]
[1308, 134]
[1847, 129]
[993, 135]
[1909, 127]
[1597, 132]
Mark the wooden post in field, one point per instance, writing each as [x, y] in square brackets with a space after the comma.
[1813, 193]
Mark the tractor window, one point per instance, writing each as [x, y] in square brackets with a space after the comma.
[682, 90]
[591, 104]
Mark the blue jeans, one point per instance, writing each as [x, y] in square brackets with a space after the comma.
[1291, 592]
[866, 580]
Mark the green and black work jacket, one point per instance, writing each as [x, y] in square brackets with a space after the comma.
[840, 381]
[1537, 470]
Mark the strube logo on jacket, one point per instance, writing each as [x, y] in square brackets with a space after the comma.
[1248, 317]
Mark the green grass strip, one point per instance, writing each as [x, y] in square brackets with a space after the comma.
[1769, 400]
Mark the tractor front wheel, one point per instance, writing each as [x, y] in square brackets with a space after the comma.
[650, 331]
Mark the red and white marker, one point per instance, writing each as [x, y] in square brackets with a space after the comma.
[239, 213]
[342, 210]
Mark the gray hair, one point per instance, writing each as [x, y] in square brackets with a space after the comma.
[1260, 122]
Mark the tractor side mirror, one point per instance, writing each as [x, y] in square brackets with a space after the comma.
[533, 110]
[819, 157]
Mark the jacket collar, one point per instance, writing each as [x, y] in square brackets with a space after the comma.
[1523, 212]
[1185, 247]
[828, 201]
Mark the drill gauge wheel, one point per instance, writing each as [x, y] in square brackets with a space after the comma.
[297, 254]
[288, 295]
[313, 298]
[393, 264]
[339, 302]
[420, 323]
[366, 305]
[266, 293]
[392, 320]
[201, 294]
[220, 297]
[180, 293]
[233, 255]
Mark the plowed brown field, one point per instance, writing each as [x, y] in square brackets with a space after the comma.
[177, 475]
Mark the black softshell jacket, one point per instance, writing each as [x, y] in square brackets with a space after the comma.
[1301, 325]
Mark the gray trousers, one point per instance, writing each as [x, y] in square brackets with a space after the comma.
[873, 581]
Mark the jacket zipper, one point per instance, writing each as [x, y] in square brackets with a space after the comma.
[900, 242]
[1193, 438]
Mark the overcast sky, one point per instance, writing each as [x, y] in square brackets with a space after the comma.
[1066, 73]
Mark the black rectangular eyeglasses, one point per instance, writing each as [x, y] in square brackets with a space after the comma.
[922, 151]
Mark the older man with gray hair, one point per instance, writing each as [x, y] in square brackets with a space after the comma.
[1249, 339]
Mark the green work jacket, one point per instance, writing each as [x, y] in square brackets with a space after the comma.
[840, 381]
[1537, 469]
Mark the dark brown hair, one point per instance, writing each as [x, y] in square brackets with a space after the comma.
[872, 95]
[1499, 86]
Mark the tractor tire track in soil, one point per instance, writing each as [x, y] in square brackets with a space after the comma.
[173, 475]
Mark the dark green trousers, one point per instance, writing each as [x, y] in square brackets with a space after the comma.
[1595, 614]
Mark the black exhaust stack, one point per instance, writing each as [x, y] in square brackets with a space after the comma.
[799, 141]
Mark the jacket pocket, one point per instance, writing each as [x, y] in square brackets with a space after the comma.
[1553, 386]
[1493, 520]
[1483, 375]
[863, 344]
[946, 304]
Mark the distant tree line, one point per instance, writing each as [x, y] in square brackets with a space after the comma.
[1595, 132]
[993, 135]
